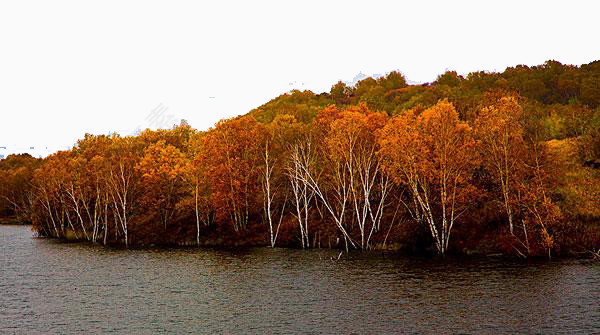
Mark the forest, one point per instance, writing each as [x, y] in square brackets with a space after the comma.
[489, 163]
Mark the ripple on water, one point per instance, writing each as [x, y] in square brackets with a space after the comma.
[50, 287]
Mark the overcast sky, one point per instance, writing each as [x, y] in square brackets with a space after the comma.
[71, 67]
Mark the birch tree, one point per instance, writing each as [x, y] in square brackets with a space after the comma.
[284, 129]
[123, 181]
[500, 134]
[196, 177]
[433, 155]
[299, 169]
[162, 168]
[232, 150]
[351, 145]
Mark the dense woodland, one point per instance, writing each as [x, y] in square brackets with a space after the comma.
[491, 163]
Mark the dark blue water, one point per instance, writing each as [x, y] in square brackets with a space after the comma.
[47, 287]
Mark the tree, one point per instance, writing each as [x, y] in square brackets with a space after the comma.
[50, 182]
[17, 194]
[232, 150]
[76, 188]
[91, 182]
[196, 176]
[500, 134]
[283, 130]
[433, 156]
[162, 168]
[123, 180]
[340, 93]
[299, 169]
[393, 81]
[590, 90]
[539, 212]
[351, 147]
[449, 78]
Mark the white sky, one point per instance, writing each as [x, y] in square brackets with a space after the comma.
[71, 67]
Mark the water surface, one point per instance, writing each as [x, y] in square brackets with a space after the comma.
[48, 287]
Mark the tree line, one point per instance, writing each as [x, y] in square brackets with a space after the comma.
[461, 173]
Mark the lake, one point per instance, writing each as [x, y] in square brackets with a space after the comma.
[49, 287]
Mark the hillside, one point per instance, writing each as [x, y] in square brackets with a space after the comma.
[502, 162]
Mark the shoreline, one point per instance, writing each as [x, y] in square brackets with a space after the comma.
[394, 248]
[14, 223]
[468, 255]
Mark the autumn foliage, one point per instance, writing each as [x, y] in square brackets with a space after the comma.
[433, 155]
[458, 166]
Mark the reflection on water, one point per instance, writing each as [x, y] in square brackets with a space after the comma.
[50, 287]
